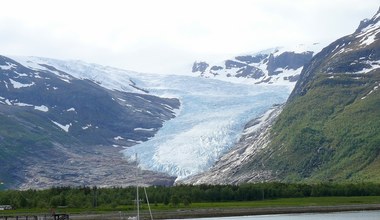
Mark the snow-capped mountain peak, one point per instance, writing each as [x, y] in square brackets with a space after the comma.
[107, 77]
[368, 24]
[279, 65]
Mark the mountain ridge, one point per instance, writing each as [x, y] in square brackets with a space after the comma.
[279, 65]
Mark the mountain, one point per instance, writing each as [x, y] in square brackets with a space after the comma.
[329, 129]
[280, 65]
[66, 122]
[53, 124]
[75, 123]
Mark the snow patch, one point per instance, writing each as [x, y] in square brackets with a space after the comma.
[22, 104]
[374, 65]
[63, 127]
[21, 74]
[368, 29]
[137, 142]
[65, 80]
[18, 85]
[41, 108]
[86, 127]
[144, 129]
[7, 67]
[8, 102]
[370, 92]
[118, 138]
[369, 38]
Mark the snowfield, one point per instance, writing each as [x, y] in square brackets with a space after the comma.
[210, 120]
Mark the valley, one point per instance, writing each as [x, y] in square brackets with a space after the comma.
[289, 114]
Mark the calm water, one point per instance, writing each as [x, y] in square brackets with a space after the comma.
[365, 215]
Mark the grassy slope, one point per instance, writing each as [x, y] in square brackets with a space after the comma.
[330, 133]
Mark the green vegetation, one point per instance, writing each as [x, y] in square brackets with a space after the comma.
[203, 196]
[17, 141]
[331, 133]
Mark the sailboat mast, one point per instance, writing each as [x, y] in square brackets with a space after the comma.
[137, 189]
[147, 201]
[138, 202]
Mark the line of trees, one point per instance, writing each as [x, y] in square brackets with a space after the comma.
[90, 197]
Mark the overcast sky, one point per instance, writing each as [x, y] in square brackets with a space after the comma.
[166, 35]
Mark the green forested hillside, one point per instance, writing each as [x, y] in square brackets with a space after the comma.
[330, 133]
[329, 129]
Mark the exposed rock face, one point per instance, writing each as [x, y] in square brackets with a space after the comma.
[278, 65]
[200, 67]
[287, 60]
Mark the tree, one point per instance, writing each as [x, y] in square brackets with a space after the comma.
[186, 200]
[175, 200]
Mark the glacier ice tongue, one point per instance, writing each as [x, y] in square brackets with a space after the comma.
[212, 116]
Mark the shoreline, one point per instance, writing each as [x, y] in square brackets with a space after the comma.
[230, 212]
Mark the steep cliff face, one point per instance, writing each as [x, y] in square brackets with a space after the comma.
[329, 129]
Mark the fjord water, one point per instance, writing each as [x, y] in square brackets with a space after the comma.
[364, 215]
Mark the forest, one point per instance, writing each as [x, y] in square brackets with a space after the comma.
[94, 197]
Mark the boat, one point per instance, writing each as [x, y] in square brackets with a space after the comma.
[137, 217]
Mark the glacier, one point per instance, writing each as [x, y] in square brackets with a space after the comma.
[211, 118]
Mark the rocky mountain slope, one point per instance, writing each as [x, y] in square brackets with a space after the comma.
[281, 65]
[52, 122]
[73, 120]
[329, 128]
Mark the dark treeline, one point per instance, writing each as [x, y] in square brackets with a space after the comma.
[90, 197]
